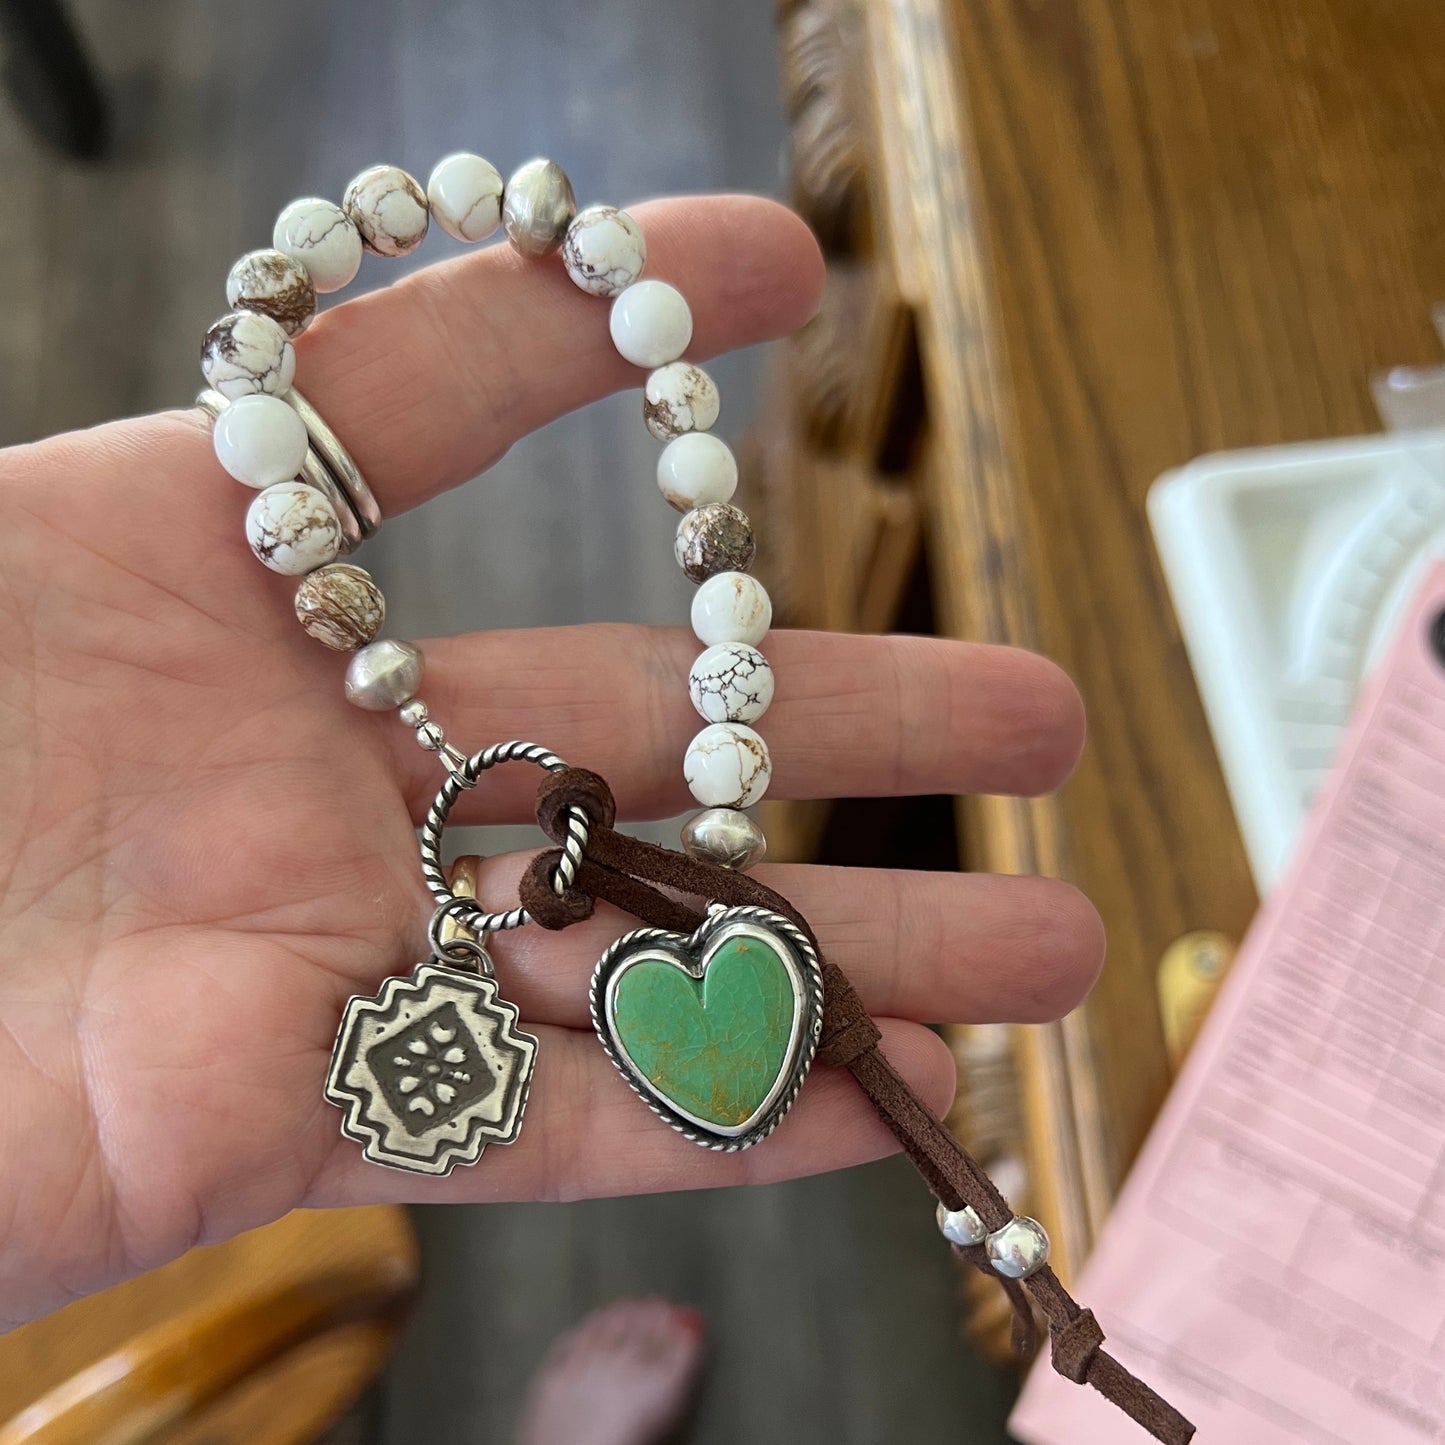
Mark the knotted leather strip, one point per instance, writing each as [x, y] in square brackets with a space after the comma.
[630, 874]
[1075, 1346]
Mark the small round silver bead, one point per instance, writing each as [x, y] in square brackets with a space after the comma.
[537, 207]
[1019, 1249]
[726, 836]
[431, 737]
[413, 713]
[384, 675]
[962, 1227]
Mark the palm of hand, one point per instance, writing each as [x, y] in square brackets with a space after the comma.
[202, 864]
[205, 851]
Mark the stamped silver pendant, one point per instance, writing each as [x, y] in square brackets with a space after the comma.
[715, 1031]
[431, 1070]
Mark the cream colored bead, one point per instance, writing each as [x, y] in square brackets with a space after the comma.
[604, 252]
[276, 285]
[388, 208]
[679, 398]
[695, 469]
[727, 766]
[245, 352]
[651, 324]
[260, 440]
[321, 237]
[465, 195]
[731, 607]
[293, 529]
[731, 682]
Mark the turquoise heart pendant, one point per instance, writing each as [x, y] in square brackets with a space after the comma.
[715, 1031]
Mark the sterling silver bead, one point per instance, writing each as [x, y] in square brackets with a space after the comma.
[1019, 1249]
[962, 1227]
[384, 675]
[537, 207]
[725, 836]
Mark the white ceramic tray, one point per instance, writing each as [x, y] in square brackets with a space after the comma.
[1289, 567]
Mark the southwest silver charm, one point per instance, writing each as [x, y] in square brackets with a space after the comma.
[431, 1070]
[717, 1031]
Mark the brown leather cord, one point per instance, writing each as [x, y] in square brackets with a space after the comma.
[630, 874]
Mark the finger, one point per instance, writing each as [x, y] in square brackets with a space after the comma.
[586, 1134]
[852, 716]
[431, 379]
[934, 947]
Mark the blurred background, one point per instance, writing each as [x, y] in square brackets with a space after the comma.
[1074, 247]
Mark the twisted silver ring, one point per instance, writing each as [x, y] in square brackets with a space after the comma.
[465, 910]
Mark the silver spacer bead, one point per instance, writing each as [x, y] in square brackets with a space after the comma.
[383, 675]
[1019, 1249]
[413, 713]
[726, 836]
[431, 737]
[962, 1227]
[537, 207]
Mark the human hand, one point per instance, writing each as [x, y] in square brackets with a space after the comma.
[206, 850]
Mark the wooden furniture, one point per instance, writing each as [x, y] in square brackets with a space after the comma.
[263, 1340]
[1099, 239]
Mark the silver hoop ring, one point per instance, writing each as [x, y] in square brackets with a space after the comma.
[313, 473]
[339, 463]
[465, 910]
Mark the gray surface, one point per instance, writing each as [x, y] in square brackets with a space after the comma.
[831, 1302]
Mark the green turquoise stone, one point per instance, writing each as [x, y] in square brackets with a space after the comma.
[713, 1046]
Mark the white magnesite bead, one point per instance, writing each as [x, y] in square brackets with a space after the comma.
[245, 352]
[727, 766]
[383, 675]
[1019, 1249]
[962, 1227]
[679, 398]
[276, 285]
[293, 529]
[695, 469]
[731, 607]
[260, 440]
[465, 195]
[651, 323]
[389, 208]
[604, 251]
[537, 207]
[321, 237]
[724, 836]
[731, 683]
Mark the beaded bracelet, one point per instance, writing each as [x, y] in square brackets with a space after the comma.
[434, 1067]
[314, 506]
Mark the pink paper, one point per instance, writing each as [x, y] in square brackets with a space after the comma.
[1275, 1266]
